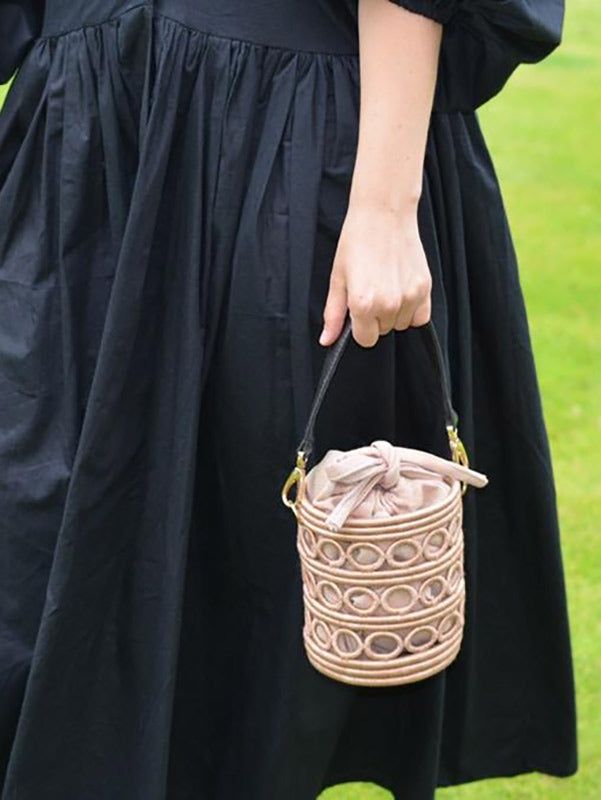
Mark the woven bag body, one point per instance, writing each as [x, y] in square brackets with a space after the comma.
[384, 603]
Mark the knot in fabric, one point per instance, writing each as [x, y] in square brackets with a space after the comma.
[393, 479]
[361, 470]
[379, 460]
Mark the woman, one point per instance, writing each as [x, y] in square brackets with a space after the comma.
[190, 192]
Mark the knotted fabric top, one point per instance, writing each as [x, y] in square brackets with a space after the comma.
[380, 480]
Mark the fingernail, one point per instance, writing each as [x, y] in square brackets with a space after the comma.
[322, 336]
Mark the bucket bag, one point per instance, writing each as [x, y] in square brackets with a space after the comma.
[381, 545]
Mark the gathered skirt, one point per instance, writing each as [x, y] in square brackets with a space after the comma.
[171, 193]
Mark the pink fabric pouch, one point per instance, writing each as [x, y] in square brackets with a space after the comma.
[380, 480]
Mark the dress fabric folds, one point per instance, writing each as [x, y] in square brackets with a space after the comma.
[173, 179]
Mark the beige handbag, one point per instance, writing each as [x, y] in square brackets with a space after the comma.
[380, 539]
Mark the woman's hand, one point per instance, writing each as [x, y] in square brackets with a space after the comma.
[380, 274]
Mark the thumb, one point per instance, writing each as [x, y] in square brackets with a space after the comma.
[334, 312]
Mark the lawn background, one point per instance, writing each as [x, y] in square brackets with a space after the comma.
[544, 131]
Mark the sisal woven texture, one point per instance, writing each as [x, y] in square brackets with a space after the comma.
[384, 600]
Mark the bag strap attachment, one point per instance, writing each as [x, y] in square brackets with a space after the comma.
[331, 361]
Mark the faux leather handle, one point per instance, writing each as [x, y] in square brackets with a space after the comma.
[332, 359]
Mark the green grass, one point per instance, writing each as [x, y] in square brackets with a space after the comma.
[543, 132]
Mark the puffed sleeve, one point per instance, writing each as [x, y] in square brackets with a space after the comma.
[485, 40]
[20, 23]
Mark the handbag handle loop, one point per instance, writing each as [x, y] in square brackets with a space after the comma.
[330, 363]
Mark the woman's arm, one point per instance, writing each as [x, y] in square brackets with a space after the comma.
[380, 272]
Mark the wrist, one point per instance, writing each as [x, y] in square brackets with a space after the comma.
[401, 205]
[382, 184]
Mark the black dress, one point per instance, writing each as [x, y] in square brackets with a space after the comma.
[173, 178]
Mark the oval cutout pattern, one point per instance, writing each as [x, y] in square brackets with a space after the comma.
[365, 557]
[347, 643]
[403, 553]
[361, 599]
[331, 552]
[399, 598]
[383, 645]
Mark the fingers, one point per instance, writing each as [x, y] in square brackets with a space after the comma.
[416, 306]
[392, 293]
[377, 317]
[423, 313]
[405, 314]
[371, 319]
[334, 312]
[387, 313]
[366, 330]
